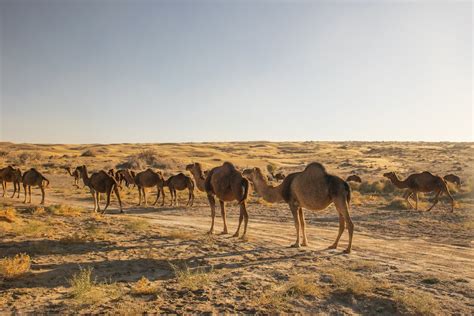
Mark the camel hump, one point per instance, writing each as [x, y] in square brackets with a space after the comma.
[315, 168]
[229, 165]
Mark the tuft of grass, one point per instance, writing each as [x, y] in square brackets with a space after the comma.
[8, 215]
[82, 283]
[136, 225]
[74, 238]
[180, 234]
[144, 287]
[86, 290]
[417, 302]
[192, 279]
[12, 268]
[397, 204]
[64, 210]
[349, 282]
[33, 228]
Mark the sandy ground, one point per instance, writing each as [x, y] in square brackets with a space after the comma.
[403, 261]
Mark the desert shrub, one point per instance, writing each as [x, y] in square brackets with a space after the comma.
[12, 268]
[142, 160]
[28, 156]
[63, 210]
[89, 153]
[417, 302]
[85, 290]
[377, 187]
[349, 282]
[8, 215]
[192, 279]
[3, 153]
[397, 204]
[81, 283]
[144, 287]
[136, 225]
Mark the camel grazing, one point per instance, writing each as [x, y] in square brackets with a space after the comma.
[453, 179]
[31, 178]
[421, 182]
[313, 189]
[198, 175]
[180, 182]
[227, 183]
[10, 174]
[100, 182]
[75, 174]
[126, 176]
[148, 179]
[354, 178]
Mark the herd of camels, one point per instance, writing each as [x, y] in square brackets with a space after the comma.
[312, 188]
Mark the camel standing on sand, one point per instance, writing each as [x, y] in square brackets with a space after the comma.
[126, 176]
[31, 178]
[421, 182]
[180, 182]
[100, 182]
[453, 179]
[148, 179]
[198, 175]
[354, 178]
[227, 183]
[314, 189]
[10, 174]
[75, 174]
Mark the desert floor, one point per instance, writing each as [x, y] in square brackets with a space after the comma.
[160, 259]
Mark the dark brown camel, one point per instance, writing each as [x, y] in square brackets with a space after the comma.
[453, 179]
[180, 182]
[31, 178]
[148, 179]
[11, 174]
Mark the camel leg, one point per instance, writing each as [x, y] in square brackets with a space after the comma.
[303, 226]
[42, 194]
[4, 186]
[407, 195]
[343, 207]
[294, 210]
[342, 225]
[191, 197]
[452, 200]
[26, 191]
[97, 195]
[163, 197]
[95, 200]
[436, 201]
[243, 210]
[14, 190]
[158, 192]
[144, 195]
[29, 194]
[212, 203]
[117, 194]
[171, 193]
[18, 193]
[109, 191]
[176, 202]
[416, 200]
[139, 195]
[224, 217]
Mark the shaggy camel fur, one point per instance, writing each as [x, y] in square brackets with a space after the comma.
[421, 182]
[75, 174]
[354, 178]
[31, 178]
[198, 175]
[10, 174]
[180, 182]
[148, 179]
[313, 189]
[100, 182]
[453, 179]
[227, 183]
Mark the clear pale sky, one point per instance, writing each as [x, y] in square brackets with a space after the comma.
[172, 71]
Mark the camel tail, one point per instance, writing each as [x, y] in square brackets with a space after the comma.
[348, 192]
[245, 186]
[47, 181]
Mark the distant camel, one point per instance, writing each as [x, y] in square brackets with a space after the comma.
[148, 179]
[198, 175]
[314, 189]
[75, 174]
[180, 182]
[31, 178]
[126, 176]
[227, 183]
[354, 178]
[100, 182]
[421, 182]
[453, 179]
[10, 174]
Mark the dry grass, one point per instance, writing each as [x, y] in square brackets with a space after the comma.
[8, 215]
[136, 225]
[349, 282]
[144, 287]
[192, 279]
[86, 290]
[33, 228]
[398, 204]
[75, 238]
[180, 234]
[417, 302]
[64, 210]
[12, 268]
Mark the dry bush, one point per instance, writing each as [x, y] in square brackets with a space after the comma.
[397, 204]
[180, 234]
[8, 215]
[349, 282]
[75, 238]
[89, 153]
[417, 302]
[85, 290]
[383, 187]
[192, 279]
[12, 268]
[33, 228]
[136, 225]
[144, 287]
[28, 156]
[64, 210]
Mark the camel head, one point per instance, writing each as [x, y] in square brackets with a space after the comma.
[194, 166]
[253, 173]
[390, 175]
[80, 169]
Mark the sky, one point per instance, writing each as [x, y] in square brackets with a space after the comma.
[183, 71]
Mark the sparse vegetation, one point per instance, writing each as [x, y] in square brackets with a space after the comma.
[144, 287]
[349, 282]
[397, 204]
[89, 153]
[28, 156]
[64, 210]
[192, 279]
[416, 302]
[86, 290]
[8, 215]
[136, 225]
[12, 268]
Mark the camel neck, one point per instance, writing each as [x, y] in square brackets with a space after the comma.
[85, 176]
[268, 192]
[399, 183]
[199, 178]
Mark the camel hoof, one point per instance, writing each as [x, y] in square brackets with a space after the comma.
[304, 244]
[210, 232]
[295, 245]
[223, 233]
[332, 247]
[347, 251]
[235, 235]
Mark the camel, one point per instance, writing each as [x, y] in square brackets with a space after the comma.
[126, 176]
[354, 178]
[421, 182]
[453, 179]
[100, 182]
[148, 179]
[74, 174]
[279, 176]
[180, 182]
[198, 175]
[227, 184]
[313, 189]
[10, 174]
[31, 178]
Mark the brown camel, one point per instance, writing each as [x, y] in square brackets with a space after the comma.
[31, 178]
[227, 183]
[75, 174]
[198, 175]
[313, 189]
[148, 179]
[180, 182]
[354, 178]
[100, 182]
[421, 182]
[10, 174]
[453, 179]
[125, 176]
